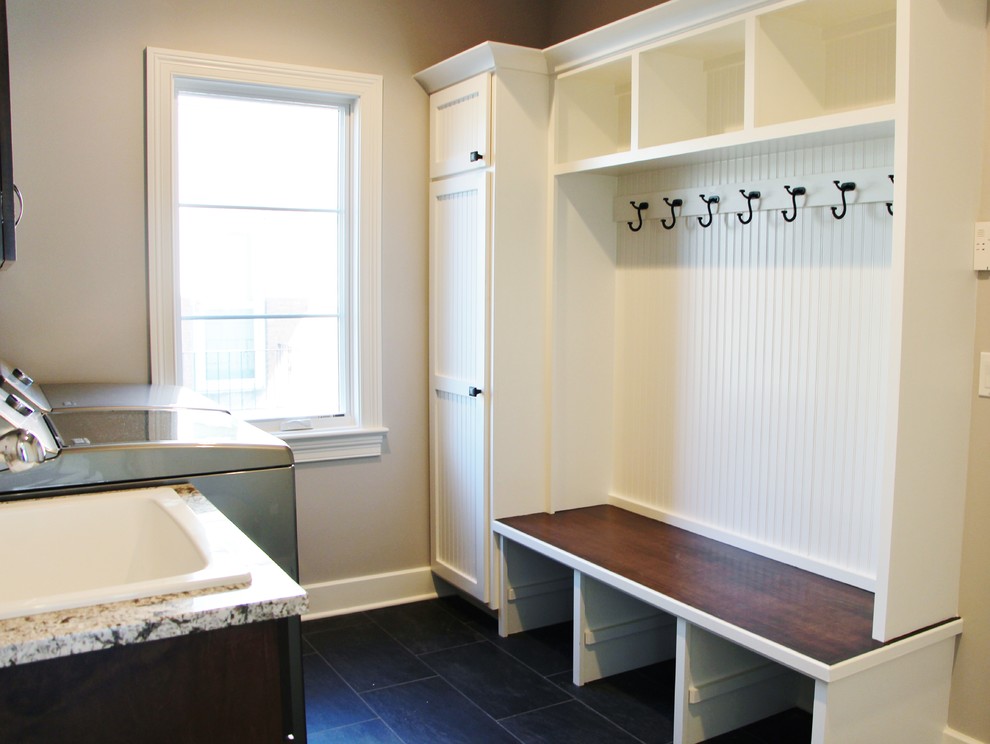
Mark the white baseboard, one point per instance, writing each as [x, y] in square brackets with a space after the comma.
[369, 592]
[951, 736]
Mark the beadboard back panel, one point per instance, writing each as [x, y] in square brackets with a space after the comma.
[725, 91]
[750, 361]
[870, 47]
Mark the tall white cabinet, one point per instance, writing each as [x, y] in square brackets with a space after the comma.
[489, 115]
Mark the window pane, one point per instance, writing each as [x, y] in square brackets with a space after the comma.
[248, 152]
[230, 352]
[282, 367]
[260, 237]
[258, 262]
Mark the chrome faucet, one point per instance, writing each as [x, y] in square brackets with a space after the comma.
[21, 450]
[26, 439]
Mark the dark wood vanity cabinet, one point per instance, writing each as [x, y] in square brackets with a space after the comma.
[218, 686]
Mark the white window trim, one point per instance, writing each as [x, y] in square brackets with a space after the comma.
[163, 68]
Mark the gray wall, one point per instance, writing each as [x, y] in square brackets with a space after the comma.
[569, 18]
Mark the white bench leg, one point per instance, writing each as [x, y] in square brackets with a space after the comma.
[903, 700]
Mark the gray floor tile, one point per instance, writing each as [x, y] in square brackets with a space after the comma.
[367, 657]
[432, 712]
[499, 684]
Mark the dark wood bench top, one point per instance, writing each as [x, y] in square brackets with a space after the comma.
[823, 619]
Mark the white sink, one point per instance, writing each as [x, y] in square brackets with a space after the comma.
[76, 551]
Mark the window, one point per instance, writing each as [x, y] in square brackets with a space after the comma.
[262, 218]
[264, 243]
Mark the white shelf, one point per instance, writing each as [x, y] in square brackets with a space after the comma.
[852, 126]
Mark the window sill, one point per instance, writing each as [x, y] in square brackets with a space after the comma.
[342, 444]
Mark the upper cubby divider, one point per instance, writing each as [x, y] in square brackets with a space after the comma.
[794, 68]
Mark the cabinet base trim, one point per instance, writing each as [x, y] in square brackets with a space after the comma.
[951, 736]
[369, 592]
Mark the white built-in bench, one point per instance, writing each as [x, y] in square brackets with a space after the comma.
[751, 636]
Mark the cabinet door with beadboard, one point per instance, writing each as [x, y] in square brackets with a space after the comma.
[458, 362]
[459, 127]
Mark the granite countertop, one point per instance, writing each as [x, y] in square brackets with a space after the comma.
[271, 595]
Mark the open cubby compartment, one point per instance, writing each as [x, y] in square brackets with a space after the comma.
[594, 111]
[822, 57]
[536, 591]
[721, 686]
[693, 87]
[615, 633]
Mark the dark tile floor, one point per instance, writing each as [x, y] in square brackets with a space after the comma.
[437, 671]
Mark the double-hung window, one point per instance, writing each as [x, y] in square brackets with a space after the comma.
[264, 229]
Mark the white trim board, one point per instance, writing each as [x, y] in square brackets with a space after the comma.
[169, 70]
[951, 736]
[486, 56]
[361, 593]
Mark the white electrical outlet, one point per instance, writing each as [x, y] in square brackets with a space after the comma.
[984, 384]
[981, 252]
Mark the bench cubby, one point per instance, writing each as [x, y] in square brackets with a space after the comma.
[721, 686]
[538, 591]
[614, 632]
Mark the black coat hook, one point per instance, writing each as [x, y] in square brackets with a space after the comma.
[794, 193]
[890, 205]
[639, 213]
[673, 217]
[843, 188]
[708, 202]
[749, 203]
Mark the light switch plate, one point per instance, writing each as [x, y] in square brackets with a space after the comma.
[981, 247]
[984, 385]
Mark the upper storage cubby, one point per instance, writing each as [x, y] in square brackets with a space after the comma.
[796, 68]
[824, 56]
[693, 87]
[594, 111]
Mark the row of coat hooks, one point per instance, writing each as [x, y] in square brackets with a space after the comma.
[860, 187]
